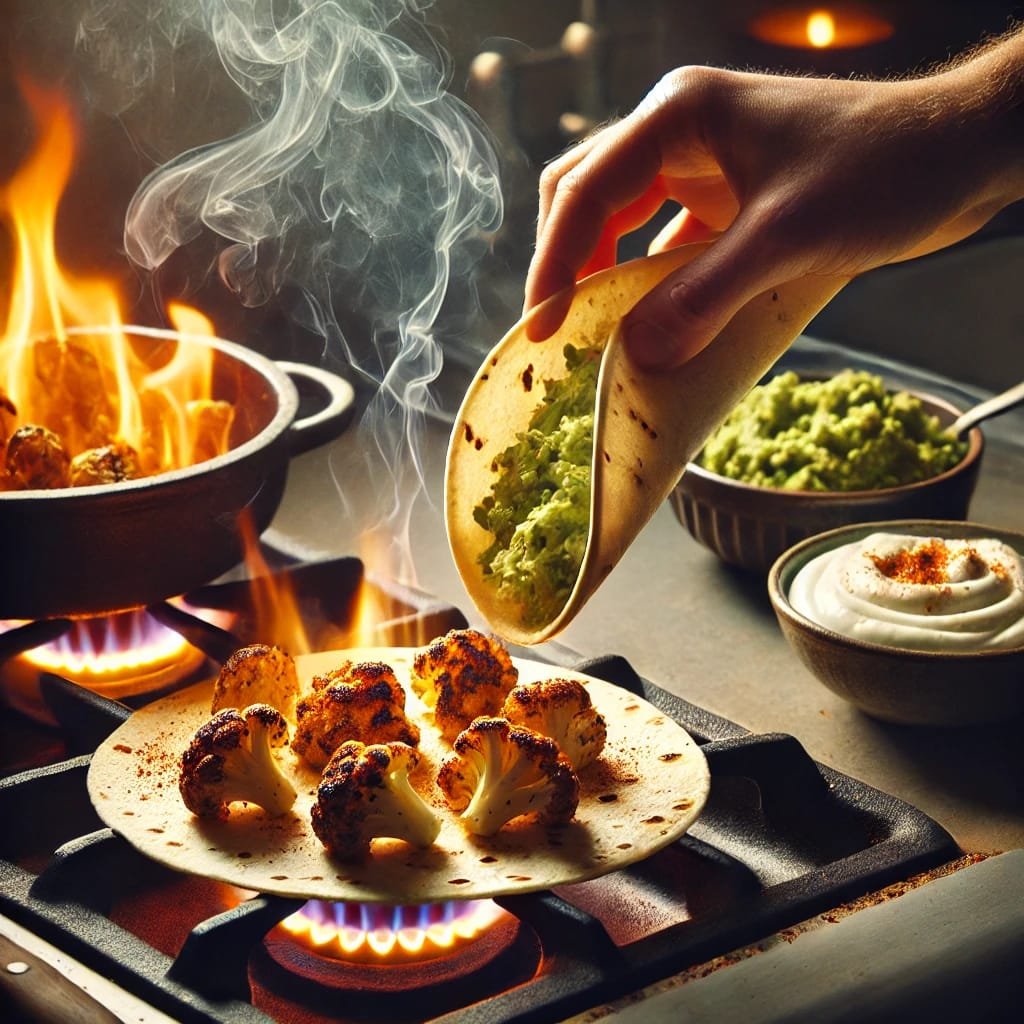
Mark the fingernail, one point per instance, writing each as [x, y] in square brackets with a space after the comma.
[649, 346]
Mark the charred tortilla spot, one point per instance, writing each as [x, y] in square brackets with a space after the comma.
[608, 798]
[669, 757]
[654, 819]
[527, 378]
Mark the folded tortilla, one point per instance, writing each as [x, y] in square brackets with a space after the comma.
[647, 426]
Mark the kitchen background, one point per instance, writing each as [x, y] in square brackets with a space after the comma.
[147, 85]
[404, 274]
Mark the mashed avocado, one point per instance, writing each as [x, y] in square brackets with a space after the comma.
[847, 433]
[539, 507]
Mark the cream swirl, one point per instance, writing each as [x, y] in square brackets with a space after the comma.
[918, 593]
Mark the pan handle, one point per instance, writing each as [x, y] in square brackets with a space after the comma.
[328, 422]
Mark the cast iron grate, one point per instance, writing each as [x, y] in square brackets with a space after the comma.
[782, 839]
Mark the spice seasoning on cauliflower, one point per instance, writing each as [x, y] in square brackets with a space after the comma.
[848, 433]
[462, 675]
[500, 771]
[539, 507]
[257, 673]
[365, 794]
[230, 760]
[356, 701]
[561, 709]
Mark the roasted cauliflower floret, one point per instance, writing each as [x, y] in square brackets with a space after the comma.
[36, 458]
[230, 758]
[260, 674]
[109, 464]
[499, 771]
[365, 794]
[563, 710]
[356, 701]
[463, 675]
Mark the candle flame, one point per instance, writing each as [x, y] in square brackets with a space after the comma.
[821, 29]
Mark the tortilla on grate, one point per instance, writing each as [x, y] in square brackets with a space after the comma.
[642, 793]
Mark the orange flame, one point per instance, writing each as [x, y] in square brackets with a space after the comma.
[67, 361]
[362, 933]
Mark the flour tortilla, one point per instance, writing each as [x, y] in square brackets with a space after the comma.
[647, 426]
[643, 793]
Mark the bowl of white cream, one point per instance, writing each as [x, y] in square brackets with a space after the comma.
[912, 621]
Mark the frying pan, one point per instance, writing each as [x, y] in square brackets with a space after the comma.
[105, 548]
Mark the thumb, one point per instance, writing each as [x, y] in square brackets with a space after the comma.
[686, 311]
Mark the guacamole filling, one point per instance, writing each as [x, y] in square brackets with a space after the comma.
[848, 433]
[538, 510]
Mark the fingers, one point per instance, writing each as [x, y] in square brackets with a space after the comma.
[682, 229]
[588, 200]
[681, 316]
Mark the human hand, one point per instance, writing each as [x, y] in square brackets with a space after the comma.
[801, 176]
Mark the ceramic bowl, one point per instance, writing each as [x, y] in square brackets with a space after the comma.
[750, 526]
[906, 686]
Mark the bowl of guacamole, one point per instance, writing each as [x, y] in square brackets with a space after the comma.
[802, 454]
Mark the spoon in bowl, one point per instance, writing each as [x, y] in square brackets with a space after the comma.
[995, 406]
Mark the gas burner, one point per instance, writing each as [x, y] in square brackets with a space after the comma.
[285, 970]
[384, 935]
[127, 655]
[137, 656]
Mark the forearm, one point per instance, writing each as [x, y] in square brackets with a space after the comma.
[983, 94]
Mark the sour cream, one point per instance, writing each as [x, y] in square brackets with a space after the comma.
[918, 593]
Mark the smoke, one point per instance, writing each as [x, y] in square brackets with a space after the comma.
[353, 181]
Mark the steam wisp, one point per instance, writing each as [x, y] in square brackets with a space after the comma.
[359, 184]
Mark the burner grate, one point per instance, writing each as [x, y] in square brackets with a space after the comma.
[781, 839]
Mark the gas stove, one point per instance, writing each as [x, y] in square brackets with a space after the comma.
[782, 838]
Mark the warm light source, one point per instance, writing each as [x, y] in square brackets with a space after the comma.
[123, 655]
[841, 26]
[67, 360]
[821, 29]
[365, 933]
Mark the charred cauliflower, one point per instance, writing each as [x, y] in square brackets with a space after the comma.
[356, 701]
[35, 458]
[257, 674]
[365, 793]
[462, 675]
[561, 709]
[109, 464]
[499, 771]
[230, 758]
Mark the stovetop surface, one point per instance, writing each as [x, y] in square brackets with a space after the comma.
[781, 839]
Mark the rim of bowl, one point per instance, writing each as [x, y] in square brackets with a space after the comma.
[975, 447]
[782, 572]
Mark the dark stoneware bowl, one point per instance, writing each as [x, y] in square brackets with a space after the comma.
[911, 687]
[751, 526]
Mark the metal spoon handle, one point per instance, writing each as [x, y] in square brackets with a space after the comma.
[991, 407]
